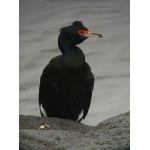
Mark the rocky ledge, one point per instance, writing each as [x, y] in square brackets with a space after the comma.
[111, 134]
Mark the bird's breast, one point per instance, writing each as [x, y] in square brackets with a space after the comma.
[74, 61]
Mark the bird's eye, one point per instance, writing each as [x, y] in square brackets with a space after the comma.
[81, 32]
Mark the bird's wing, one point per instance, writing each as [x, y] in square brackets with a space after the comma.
[47, 84]
[90, 81]
[48, 80]
[42, 83]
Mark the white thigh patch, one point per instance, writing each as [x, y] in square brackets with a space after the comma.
[43, 111]
[80, 116]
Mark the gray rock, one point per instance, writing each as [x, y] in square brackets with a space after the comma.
[111, 134]
[32, 122]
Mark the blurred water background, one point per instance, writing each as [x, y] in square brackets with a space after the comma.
[109, 57]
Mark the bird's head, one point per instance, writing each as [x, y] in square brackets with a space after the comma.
[76, 33]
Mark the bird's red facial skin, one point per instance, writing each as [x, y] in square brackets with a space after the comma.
[81, 32]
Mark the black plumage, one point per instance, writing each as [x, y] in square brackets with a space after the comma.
[67, 82]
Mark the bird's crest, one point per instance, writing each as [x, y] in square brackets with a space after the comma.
[75, 23]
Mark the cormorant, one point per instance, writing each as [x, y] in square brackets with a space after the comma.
[66, 83]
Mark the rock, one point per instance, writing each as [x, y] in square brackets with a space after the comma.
[111, 134]
[32, 122]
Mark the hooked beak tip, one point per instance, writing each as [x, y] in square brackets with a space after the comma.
[100, 35]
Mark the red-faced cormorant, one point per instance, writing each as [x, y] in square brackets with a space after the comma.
[67, 82]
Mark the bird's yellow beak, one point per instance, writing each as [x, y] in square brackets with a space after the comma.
[86, 34]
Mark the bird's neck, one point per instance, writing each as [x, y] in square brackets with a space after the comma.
[72, 55]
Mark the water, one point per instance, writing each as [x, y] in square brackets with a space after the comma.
[109, 57]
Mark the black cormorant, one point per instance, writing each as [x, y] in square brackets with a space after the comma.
[67, 82]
